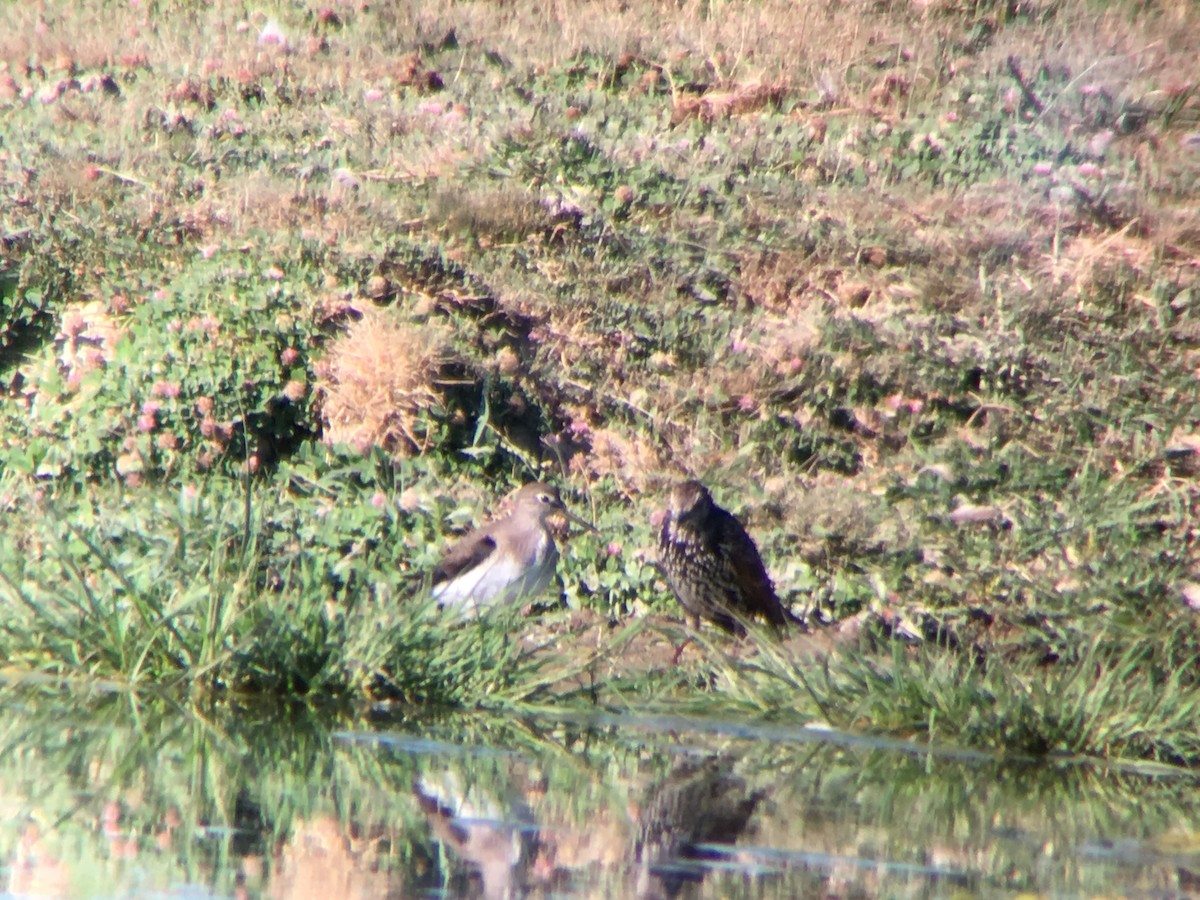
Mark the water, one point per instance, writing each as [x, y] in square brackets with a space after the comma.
[121, 799]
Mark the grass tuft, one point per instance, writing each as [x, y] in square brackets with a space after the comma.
[376, 385]
[1108, 703]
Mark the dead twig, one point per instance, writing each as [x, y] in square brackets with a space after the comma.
[1031, 98]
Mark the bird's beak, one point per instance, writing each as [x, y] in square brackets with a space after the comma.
[578, 521]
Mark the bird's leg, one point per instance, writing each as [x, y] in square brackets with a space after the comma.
[693, 625]
[679, 650]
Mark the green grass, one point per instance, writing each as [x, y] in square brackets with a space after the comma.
[915, 299]
[214, 592]
[1116, 701]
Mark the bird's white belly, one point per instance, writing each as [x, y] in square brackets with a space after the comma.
[500, 579]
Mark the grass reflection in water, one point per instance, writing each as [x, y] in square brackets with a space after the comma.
[115, 797]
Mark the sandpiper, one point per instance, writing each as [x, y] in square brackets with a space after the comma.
[506, 561]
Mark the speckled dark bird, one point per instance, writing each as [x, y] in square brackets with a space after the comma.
[712, 564]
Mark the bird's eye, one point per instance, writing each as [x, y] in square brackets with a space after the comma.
[545, 498]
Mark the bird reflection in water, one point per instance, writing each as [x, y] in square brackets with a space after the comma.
[682, 824]
[497, 842]
[700, 805]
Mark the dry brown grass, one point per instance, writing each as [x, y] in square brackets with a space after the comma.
[732, 100]
[505, 214]
[88, 337]
[628, 459]
[804, 45]
[378, 383]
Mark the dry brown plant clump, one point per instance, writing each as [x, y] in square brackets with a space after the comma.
[378, 382]
[88, 337]
[732, 100]
[631, 460]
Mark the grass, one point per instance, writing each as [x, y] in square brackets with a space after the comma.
[284, 308]
[1115, 701]
[103, 597]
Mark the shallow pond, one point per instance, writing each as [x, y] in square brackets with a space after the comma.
[127, 800]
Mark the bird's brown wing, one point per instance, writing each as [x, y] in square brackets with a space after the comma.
[467, 553]
[751, 574]
[441, 817]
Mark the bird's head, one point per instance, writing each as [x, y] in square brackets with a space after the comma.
[541, 501]
[688, 498]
